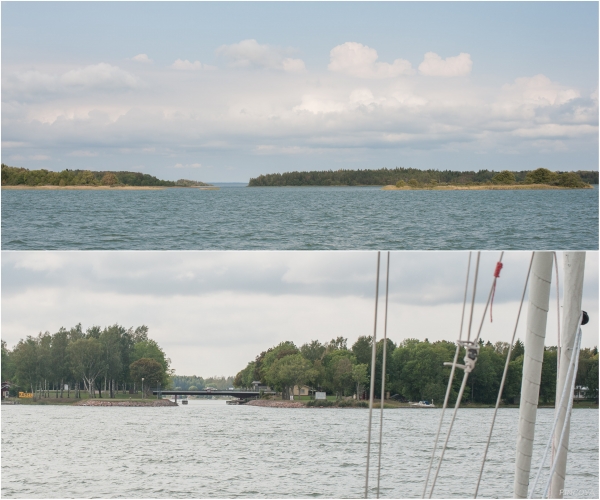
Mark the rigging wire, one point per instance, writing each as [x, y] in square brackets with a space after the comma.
[387, 283]
[572, 364]
[372, 385]
[503, 377]
[450, 379]
[567, 421]
[467, 369]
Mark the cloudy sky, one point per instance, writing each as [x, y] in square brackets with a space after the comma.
[213, 312]
[226, 91]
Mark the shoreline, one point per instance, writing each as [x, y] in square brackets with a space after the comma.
[107, 188]
[454, 187]
[493, 187]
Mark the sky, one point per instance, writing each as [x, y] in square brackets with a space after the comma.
[226, 91]
[213, 312]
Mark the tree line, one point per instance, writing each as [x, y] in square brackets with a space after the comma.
[15, 176]
[111, 359]
[384, 177]
[415, 370]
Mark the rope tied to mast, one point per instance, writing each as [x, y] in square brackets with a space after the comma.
[499, 267]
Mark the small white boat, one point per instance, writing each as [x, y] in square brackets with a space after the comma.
[423, 404]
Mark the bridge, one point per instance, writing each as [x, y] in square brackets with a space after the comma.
[235, 394]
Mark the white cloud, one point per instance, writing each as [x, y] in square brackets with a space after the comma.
[434, 65]
[83, 153]
[538, 90]
[293, 65]
[13, 144]
[99, 75]
[359, 60]
[186, 65]
[249, 53]
[142, 58]
[187, 165]
[318, 114]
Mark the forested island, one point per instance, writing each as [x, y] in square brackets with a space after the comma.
[415, 370]
[428, 179]
[17, 176]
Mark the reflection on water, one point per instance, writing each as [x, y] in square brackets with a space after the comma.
[240, 218]
[210, 449]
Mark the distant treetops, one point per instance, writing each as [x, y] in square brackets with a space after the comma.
[416, 178]
[15, 176]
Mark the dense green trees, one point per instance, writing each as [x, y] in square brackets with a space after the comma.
[14, 176]
[415, 178]
[97, 358]
[415, 370]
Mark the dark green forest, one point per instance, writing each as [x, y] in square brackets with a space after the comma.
[112, 359]
[15, 176]
[415, 370]
[416, 177]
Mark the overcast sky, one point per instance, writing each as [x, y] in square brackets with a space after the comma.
[225, 91]
[213, 312]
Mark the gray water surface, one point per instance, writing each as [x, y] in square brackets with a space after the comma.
[209, 449]
[304, 218]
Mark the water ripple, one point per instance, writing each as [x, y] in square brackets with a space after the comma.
[238, 218]
[209, 449]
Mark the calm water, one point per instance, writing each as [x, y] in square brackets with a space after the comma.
[239, 218]
[209, 449]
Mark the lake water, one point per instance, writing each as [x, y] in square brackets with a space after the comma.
[209, 449]
[241, 218]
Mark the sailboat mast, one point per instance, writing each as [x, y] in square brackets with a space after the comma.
[574, 266]
[537, 314]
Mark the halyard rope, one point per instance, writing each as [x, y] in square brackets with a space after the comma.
[450, 379]
[503, 377]
[469, 365]
[372, 385]
[387, 283]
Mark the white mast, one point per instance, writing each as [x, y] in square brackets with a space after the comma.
[537, 313]
[574, 265]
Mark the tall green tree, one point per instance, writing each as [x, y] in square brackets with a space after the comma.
[25, 357]
[286, 372]
[60, 358]
[87, 361]
[150, 370]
